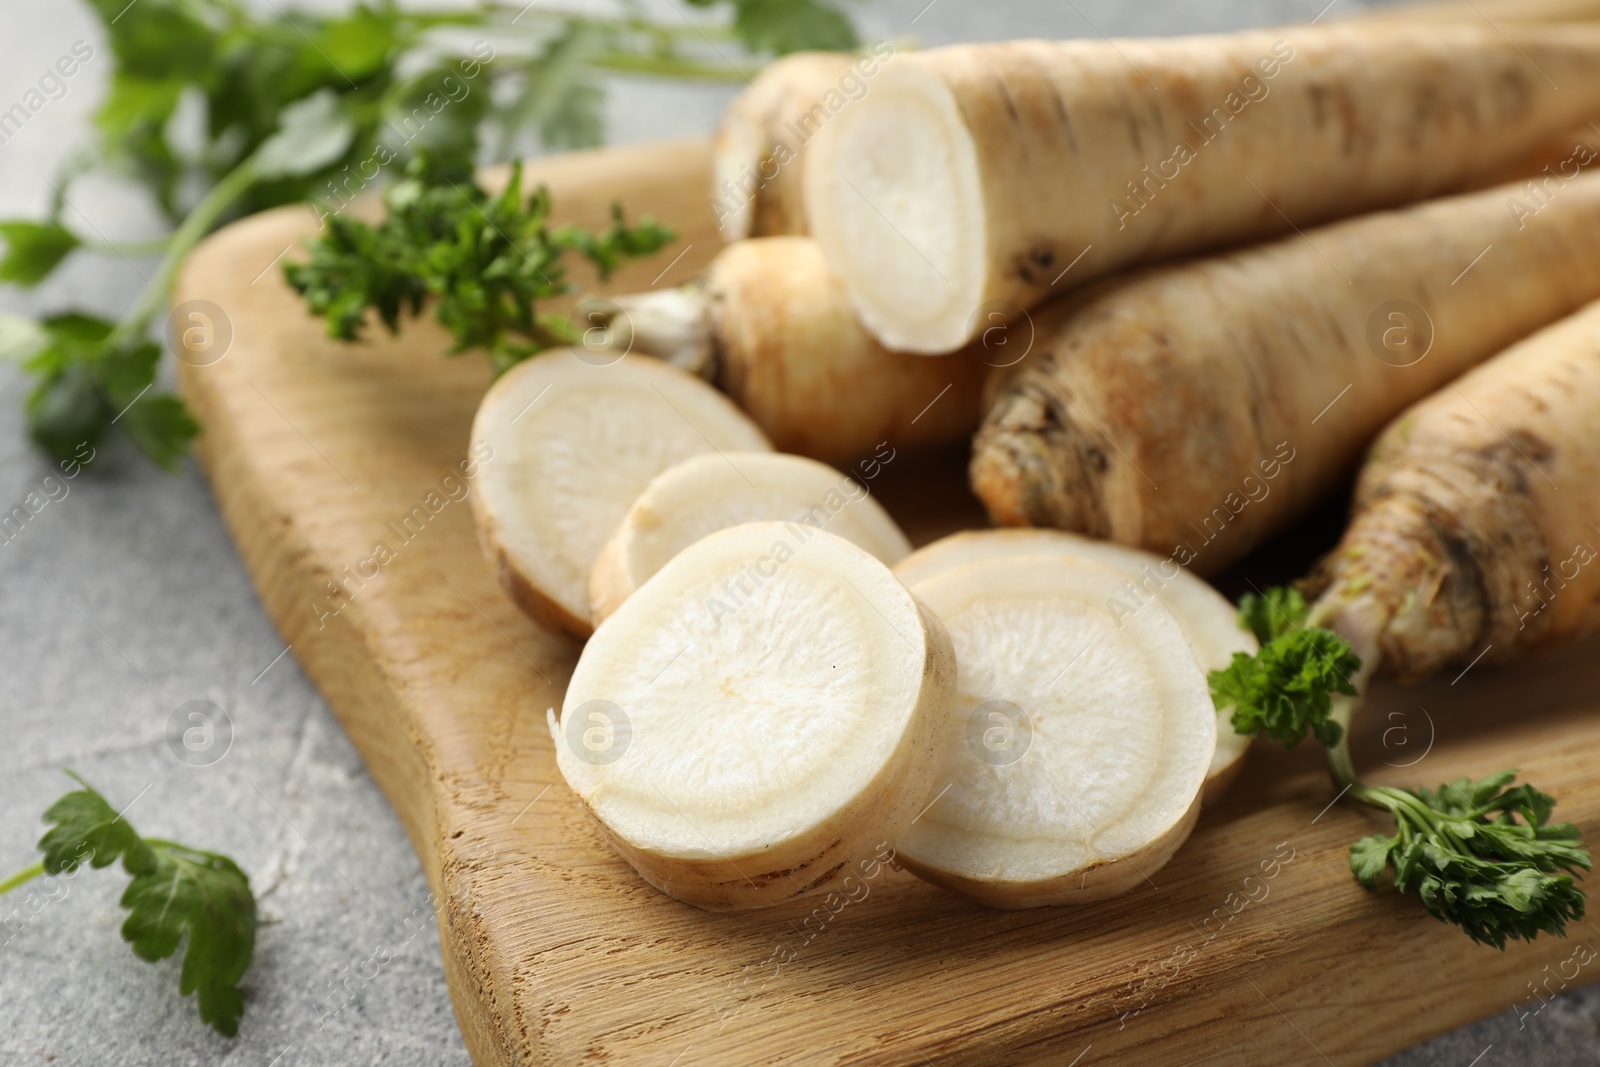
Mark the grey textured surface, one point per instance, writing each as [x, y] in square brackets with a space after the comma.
[124, 599]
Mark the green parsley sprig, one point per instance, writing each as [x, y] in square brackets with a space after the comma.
[485, 262]
[1286, 689]
[1482, 855]
[373, 83]
[175, 891]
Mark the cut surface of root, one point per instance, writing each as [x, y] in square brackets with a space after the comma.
[893, 195]
[712, 492]
[767, 709]
[572, 444]
[1209, 622]
[1081, 739]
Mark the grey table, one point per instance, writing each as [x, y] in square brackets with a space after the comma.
[124, 600]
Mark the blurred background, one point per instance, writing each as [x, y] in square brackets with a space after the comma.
[124, 604]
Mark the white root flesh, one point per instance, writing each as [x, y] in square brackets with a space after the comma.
[1080, 744]
[712, 492]
[573, 444]
[770, 707]
[1209, 622]
[981, 179]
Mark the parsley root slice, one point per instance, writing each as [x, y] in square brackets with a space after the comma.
[1206, 617]
[1080, 740]
[1195, 409]
[765, 710]
[775, 331]
[757, 152]
[566, 446]
[712, 492]
[977, 175]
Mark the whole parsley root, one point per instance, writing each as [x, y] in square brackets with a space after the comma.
[1149, 410]
[771, 328]
[175, 891]
[1030, 154]
[1463, 548]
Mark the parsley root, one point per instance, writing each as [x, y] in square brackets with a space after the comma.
[993, 173]
[567, 443]
[714, 491]
[776, 333]
[1278, 364]
[1080, 742]
[1471, 532]
[755, 162]
[759, 715]
[1462, 548]
[1204, 615]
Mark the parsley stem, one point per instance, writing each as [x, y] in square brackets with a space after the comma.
[670, 66]
[221, 196]
[22, 877]
[155, 246]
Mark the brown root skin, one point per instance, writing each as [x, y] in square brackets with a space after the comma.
[1033, 466]
[790, 351]
[1473, 527]
[1400, 583]
[1197, 408]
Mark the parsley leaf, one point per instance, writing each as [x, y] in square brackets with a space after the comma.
[88, 378]
[783, 26]
[87, 829]
[33, 250]
[1480, 854]
[1286, 689]
[485, 261]
[175, 891]
[1279, 611]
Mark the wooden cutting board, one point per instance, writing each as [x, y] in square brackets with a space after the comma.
[1252, 945]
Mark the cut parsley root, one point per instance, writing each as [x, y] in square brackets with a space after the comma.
[977, 175]
[1079, 743]
[567, 446]
[775, 331]
[1195, 409]
[1204, 615]
[755, 161]
[1461, 548]
[715, 491]
[761, 713]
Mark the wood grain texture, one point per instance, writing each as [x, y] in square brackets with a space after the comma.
[557, 954]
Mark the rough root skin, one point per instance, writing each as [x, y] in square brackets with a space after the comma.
[1032, 465]
[1438, 555]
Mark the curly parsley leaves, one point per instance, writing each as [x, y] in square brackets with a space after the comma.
[1285, 690]
[485, 261]
[1482, 855]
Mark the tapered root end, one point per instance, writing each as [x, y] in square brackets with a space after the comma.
[1033, 466]
[1406, 585]
[893, 195]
